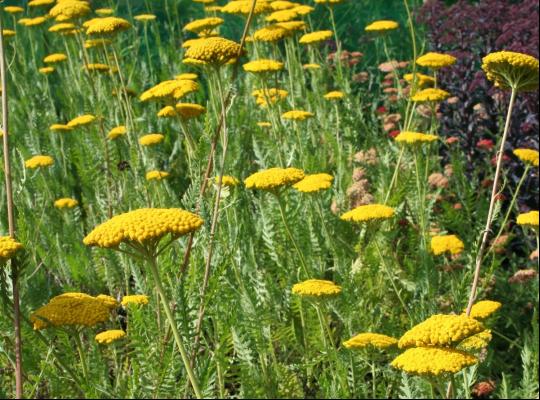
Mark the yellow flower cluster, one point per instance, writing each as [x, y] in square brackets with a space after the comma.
[484, 309]
[8, 33]
[116, 132]
[528, 156]
[138, 299]
[311, 66]
[187, 75]
[292, 26]
[508, 69]
[69, 9]
[382, 26]
[271, 33]
[436, 60]
[282, 16]
[81, 120]
[227, 180]
[102, 12]
[167, 112]
[422, 80]
[60, 128]
[144, 17]
[65, 202]
[446, 243]
[273, 178]
[71, 309]
[91, 43]
[297, 115]
[32, 21]
[432, 361]
[369, 212]
[109, 301]
[61, 27]
[213, 50]
[316, 288]
[314, 183]
[409, 137]
[46, 70]
[39, 161]
[156, 175]
[244, 7]
[110, 336]
[377, 340]
[440, 330]
[204, 24]
[282, 5]
[189, 110]
[476, 342]
[97, 67]
[106, 26]
[529, 219]
[151, 139]
[176, 88]
[143, 225]
[8, 247]
[13, 9]
[315, 37]
[271, 95]
[334, 95]
[39, 3]
[430, 94]
[260, 66]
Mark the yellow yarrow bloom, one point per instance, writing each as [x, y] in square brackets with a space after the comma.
[29, 22]
[81, 120]
[69, 9]
[204, 24]
[61, 27]
[529, 219]
[334, 95]
[187, 76]
[65, 202]
[528, 156]
[408, 137]
[139, 299]
[110, 336]
[446, 243]
[213, 50]
[316, 288]
[297, 115]
[109, 301]
[382, 26]
[440, 330]
[176, 88]
[303, 9]
[106, 26]
[151, 139]
[269, 95]
[508, 69]
[116, 132]
[314, 183]
[55, 58]
[315, 37]
[13, 9]
[377, 340]
[292, 25]
[97, 67]
[156, 175]
[8, 248]
[368, 212]
[436, 60]
[8, 33]
[39, 161]
[273, 178]
[282, 16]
[68, 309]
[143, 226]
[311, 66]
[271, 33]
[189, 110]
[60, 128]
[91, 43]
[476, 342]
[433, 361]
[144, 17]
[104, 12]
[227, 180]
[38, 3]
[264, 124]
[46, 70]
[483, 309]
[244, 7]
[430, 94]
[282, 5]
[261, 66]
[422, 80]
[167, 112]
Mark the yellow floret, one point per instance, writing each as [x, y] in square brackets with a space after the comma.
[484, 309]
[436, 60]
[8, 248]
[528, 156]
[39, 161]
[110, 336]
[273, 178]
[368, 212]
[316, 288]
[315, 37]
[314, 183]
[65, 202]
[446, 243]
[377, 340]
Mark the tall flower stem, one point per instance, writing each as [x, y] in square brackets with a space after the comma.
[82, 358]
[11, 222]
[177, 338]
[395, 175]
[485, 234]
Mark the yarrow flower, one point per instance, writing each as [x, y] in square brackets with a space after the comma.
[156, 175]
[175, 88]
[273, 178]
[377, 340]
[8, 248]
[60, 128]
[244, 7]
[116, 132]
[109, 301]
[382, 26]
[527, 156]
[508, 69]
[61, 27]
[204, 24]
[227, 180]
[261, 66]
[39, 161]
[144, 17]
[297, 115]
[138, 299]
[282, 16]
[282, 5]
[292, 26]
[151, 139]
[189, 110]
[433, 361]
[91, 43]
[529, 219]
[369, 212]
[314, 183]
[483, 309]
[446, 243]
[213, 50]
[315, 37]
[436, 60]
[110, 336]
[422, 80]
[46, 70]
[13, 9]
[65, 202]
[316, 288]
[29, 22]
[97, 67]
[476, 342]
[334, 95]
[106, 26]
[81, 120]
[408, 137]
[269, 95]
[430, 94]
[69, 9]
[271, 33]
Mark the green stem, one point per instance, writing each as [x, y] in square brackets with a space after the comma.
[395, 175]
[80, 350]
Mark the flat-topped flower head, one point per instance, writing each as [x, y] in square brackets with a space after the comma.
[314, 183]
[382, 26]
[227, 180]
[13, 9]
[65, 202]
[303, 9]
[528, 156]
[81, 120]
[366, 340]
[243, 7]
[137, 299]
[106, 26]
[408, 137]
[189, 110]
[508, 69]
[39, 161]
[104, 12]
[529, 219]
[476, 343]
[446, 244]
[116, 132]
[433, 361]
[485, 308]
[167, 112]
[264, 124]
[144, 17]
[213, 51]
[430, 95]
[271, 33]
[282, 16]
[204, 24]
[311, 66]
[316, 288]
[62, 27]
[92, 43]
[69, 9]
[46, 70]
[8, 33]
[315, 37]
[97, 67]
[297, 115]
[292, 26]
[187, 75]
[8, 248]
[441, 330]
[436, 60]
[369, 212]
[151, 139]
[274, 178]
[60, 128]
[156, 175]
[173, 88]
[30, 22]
[282, 5]
[328, 2]
[263, 97]
[261, 66]
[422, 80]
[334, 95]
[110, 336]
[40, 3]
[71, 309]
[144, 226]
[109, 301]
